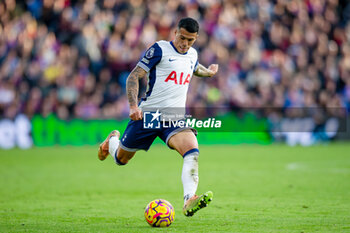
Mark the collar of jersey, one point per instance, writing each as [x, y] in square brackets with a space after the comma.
[171, 42]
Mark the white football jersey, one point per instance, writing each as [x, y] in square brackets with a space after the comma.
[169, 74]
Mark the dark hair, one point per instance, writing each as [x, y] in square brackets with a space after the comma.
[189, 24]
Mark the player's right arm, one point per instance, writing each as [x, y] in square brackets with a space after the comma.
[132, 89]
[151, 58]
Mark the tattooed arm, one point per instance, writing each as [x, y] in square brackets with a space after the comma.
[201, 71]
[132, 89]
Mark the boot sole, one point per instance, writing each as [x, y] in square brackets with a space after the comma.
[203, 202]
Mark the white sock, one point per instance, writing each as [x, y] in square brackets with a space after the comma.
[113, 145]
[190, 175]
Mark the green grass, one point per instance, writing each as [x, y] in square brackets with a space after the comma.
[271, 188]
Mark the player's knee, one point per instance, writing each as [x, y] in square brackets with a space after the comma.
[122, 161]
[123, 157]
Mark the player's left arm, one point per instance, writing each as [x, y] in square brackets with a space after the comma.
[202, 71]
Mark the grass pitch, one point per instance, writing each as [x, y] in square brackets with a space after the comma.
[271, 188]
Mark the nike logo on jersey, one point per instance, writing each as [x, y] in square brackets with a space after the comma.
[172, 59]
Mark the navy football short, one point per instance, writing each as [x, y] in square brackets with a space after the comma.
[136, 138]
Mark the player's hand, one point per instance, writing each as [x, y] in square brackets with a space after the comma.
[135, 113]
[213, 69]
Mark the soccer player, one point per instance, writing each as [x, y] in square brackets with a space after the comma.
[169, 67]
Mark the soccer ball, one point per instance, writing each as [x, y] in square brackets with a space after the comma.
[159, 213]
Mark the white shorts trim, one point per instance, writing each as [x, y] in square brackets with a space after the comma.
[129, 149]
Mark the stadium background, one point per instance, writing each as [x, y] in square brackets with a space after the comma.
[68, 60]
[63, 68]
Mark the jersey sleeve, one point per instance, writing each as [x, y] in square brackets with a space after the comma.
[195, 55]
[151, 58]
[195, 66]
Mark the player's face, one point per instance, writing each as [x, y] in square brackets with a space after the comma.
[184, 40]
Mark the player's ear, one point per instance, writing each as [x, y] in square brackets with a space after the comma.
[196, 37]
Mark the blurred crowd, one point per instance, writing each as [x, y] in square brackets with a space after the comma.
[72, 57]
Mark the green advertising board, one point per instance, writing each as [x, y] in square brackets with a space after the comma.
[48, 131]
